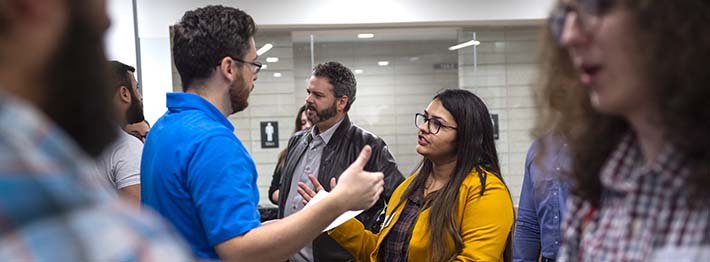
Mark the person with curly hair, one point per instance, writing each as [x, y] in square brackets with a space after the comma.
[625, 83]
[198, 174]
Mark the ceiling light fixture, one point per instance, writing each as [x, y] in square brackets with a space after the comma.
[272, 59]
[464, 44]
[366, 35]
[383, 63]
[264, 49]
[359, 71]
[277, 74]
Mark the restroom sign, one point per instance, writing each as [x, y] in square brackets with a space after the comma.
[269, 134]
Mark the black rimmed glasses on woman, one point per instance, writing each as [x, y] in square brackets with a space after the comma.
[433, 124]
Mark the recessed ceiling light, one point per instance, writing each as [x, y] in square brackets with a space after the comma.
[383, 63]
[264, 66]
[359, 71]
[366, 35]
[464, 44]
[264, 49]
[277, 74]
[414, 58]
[272, 59]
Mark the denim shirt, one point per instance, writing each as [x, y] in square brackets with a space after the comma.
[542, 202]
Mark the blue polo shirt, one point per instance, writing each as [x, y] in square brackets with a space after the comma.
[197, 174]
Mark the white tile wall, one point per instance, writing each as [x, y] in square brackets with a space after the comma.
[388, 97]
[502, 78]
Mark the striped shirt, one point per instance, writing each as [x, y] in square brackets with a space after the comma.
[51, 210]
[645, 212]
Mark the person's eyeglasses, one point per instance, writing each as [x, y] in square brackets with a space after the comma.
[587, 13]
[433, 124]
[255, 66]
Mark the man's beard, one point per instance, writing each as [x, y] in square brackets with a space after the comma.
[77, 96]
[239, 94]
[323, 115]
[135, 111]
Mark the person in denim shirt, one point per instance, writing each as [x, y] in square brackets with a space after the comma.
[542, 202]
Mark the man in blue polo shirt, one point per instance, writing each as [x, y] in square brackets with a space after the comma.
[196, 172]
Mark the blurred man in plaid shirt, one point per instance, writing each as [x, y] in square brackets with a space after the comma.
[55, 114]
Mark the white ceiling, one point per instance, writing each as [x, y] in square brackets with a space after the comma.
[155, 16]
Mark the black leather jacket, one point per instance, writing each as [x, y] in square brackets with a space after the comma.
[342, 149]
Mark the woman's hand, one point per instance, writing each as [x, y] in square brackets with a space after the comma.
[307, 193]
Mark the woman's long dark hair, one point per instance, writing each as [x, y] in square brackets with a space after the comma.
[475, 149]
[297, 127]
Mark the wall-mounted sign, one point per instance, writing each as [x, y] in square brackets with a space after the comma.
[446, 66]
[269, 134]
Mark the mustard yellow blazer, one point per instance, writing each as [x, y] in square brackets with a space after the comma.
[485, 222]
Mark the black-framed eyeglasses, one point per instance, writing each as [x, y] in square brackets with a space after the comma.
[255, 66]
[587, 13]
[433, 124]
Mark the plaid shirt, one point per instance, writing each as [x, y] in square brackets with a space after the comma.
[644, 213]
[50, 210]
[396, 244]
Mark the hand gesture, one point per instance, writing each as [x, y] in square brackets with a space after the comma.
[307, 193]
[359, 189]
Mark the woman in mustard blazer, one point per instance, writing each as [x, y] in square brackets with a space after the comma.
[456, 206]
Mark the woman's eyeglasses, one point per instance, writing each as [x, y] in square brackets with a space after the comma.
[433, 124]
[587, 13]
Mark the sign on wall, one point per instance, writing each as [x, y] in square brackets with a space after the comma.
[269, 134]
[446, 66]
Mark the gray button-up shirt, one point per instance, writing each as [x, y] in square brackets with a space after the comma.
[309, 165]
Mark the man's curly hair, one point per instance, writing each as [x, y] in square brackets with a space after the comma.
[206, 35]
[340, 77]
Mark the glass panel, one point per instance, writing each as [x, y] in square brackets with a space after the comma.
[398, 71]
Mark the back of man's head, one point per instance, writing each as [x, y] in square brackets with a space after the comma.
[340, 77]
[206, 35]
[120, 74]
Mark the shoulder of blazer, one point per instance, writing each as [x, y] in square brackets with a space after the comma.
[343, 133]
[472, 183]
[348, 131]
[397, 194]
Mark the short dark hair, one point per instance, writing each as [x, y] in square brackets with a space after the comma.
[119, 74]
[340, 77]
[206, 35]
